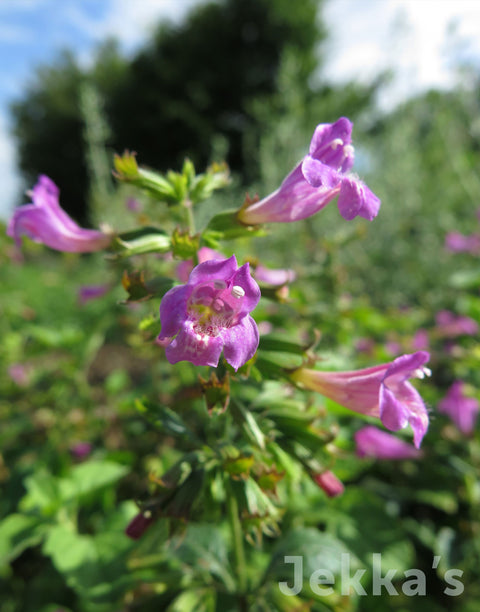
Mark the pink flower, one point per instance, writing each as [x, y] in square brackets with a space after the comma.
[139, 524]
[204, 254]
[210, 313]
[46, 222]
[92, 292]
[459, 407]
[329, 483]
[373, 442]
[274, 277]
[458, 243]
[450, 325]
[321, 176]
[382, 391]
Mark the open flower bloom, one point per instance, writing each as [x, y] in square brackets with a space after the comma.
[373, 442]
[319, 178]
[210, 314]
[382, 391]
[459, 407]
[46, 222]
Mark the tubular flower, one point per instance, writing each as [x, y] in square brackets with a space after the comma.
[460, 408]
[45, 221]
[274, 277]
[210, 313]
[316, 180]
[329, 483]
[382, 391]
[373, 442]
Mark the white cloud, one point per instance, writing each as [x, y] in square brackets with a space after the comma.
[420, 39]
[10, 179]
[129, 21]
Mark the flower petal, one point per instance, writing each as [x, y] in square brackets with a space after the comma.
[251, 298]
[199, 349]
[241, 342]
[213, 269]
[318, 174]
[173, 309]
[356, 199]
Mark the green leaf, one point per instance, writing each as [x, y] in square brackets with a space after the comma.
[317, 549]
[89, 477]
[144, 240]
[165, 419]
[18, 532]
[226, 226]
[94, 566]
[200, 600]
[43, 493]
[203, 548]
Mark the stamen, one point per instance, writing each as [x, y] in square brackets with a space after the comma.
[422, 372]
[237, 291]
[337, 142]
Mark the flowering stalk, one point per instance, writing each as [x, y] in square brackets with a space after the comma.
[45, 221]
[382, 391]
[317, 180]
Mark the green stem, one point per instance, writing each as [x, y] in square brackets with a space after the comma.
[190, 217]
[237, 538]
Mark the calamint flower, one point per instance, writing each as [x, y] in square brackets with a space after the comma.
[210, 313]
[45, 221]
[459, 407]
[382, 391]
[317, 180]
[373, 442]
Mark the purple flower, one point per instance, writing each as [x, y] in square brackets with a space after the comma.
[210, 314]
[92, 292]
[139, 524]
[458, 243]
[20, 374]
[329, 483]
[420, 340]
[373, 442]
[382, 391]
[46, 222]
[459, 407]
[81, 450]
[450, 325]
[318, 179]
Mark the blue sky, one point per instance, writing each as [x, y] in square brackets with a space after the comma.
[421, 39]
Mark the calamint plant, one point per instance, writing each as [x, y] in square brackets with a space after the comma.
[250, 406]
